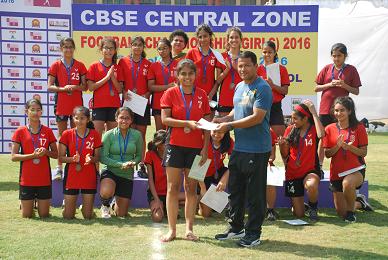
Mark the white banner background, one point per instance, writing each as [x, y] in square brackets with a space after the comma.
[363, 28]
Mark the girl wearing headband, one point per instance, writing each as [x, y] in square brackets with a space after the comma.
[298, 148]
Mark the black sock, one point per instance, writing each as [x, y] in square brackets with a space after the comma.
[313, 205]
[105, 202]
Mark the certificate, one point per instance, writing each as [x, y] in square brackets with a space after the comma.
[296, 222]
[216, 200]
[275, 176]
[136, 103]
[206, 125]
[273, 73]
[198, 172]
[218, 56]
[343, 174]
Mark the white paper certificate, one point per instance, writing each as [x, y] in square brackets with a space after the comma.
[275, 176]
[216, 200]
[206, 125]
[199, 172]
[273, 72]
[136, 103]
[218, 56]
[342, 174]
[296, 222]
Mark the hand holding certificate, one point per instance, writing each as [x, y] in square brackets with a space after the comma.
[136, 103]
[216, 200]
[198, 172]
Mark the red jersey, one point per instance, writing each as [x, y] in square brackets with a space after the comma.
[65, 103]
[344, 160]
[34, 174]
[284, 80]
[217, 158]
[349, 75]
[205, 68]
[159, 172]
[305, 152]
[274, 137]
[102, 96]
[87, 177]
[172, 99]
[163, 75]
[134, 74]
[227, 89]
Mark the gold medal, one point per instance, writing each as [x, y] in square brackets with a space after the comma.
[186, 130]
[231, 86]
[111, 92]
[78, 167]
[298, 162]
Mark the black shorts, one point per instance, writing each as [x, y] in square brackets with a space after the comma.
[295, 188]
[326, 120]
[209, 180]
[276, 115]
[63, 118]
[156, 112]
[336, 186]
[179, 157]
[78, 191]
[35, 192]
[124, 187]
[143, 120]
[224, 109]
[214, 99]
[106, 114]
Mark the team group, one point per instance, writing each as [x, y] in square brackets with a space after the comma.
[183, 88]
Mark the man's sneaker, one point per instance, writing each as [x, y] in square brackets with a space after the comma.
[105, 212]
[58, 175]
[142, 172]
[272, 215]
[313, 214]
[230, 234]
[350, 217]
[364, 203]
[249, 241]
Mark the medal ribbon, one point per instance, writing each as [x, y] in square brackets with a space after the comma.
[126, 140]
[188, 109]
[106, 72]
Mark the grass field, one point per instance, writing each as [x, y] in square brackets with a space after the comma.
[137, 237]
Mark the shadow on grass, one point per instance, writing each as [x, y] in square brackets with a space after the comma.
[301, 250]
[374, 187]
[9, 186]
[377, 205]
[134, 219]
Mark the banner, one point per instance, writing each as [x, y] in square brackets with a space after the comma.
[29, 44]
[294, 29]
